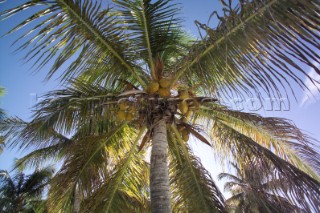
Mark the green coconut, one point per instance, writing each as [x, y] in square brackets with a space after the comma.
[153, 87]
[121, 115]
[164, 92]
[165, 82]
[183, 107]
[185, 135]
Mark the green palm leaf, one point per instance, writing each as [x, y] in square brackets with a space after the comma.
[193, 188]
[75, 27]
[255, 49]
[153, 27]
[125, 182]
[279, 135]
[86, 162]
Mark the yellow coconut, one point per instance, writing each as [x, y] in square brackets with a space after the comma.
[123, 106]
[183, 94]
[121, 115]
[185, 135]
[153, 87]
[129, 117]
[164, 92]
[164, 82]
[183, 107]
[189, 114]
[132, 109]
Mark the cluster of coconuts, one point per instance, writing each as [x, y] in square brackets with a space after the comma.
[186, 112]
[126, 112]
[184, 107]
[161, 87]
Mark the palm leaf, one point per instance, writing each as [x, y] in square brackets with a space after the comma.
[254, 49]
[86, 163]
[19, 133]
[74, 28]
[192, 187]
[154, 28]
[300, 186]
[277, 134]
[126, 179]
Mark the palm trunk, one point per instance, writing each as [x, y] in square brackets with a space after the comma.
[159, 175]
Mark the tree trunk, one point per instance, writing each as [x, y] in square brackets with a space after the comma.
[159, 172]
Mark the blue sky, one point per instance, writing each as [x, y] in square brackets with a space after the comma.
[23, 86]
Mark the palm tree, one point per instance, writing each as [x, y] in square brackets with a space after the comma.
[255, 191]
[22, 193]
[134, 61]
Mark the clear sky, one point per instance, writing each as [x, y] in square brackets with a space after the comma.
[23, 86]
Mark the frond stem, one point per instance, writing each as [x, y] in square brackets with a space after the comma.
[109, 47]
[210, 47]
[153, 74]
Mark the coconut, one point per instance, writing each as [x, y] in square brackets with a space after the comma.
[164, 92]
[153, 87]
[189, 114]
[129, 116]
[132, 109]
[183, 94]
[123, 106]
[183, 107]
[165, 82]
[185, 135]
[121, 115]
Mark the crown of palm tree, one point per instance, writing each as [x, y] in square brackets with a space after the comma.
[135, 77]
[253, 190]
[22, 193]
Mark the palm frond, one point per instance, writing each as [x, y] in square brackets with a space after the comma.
[82, 103]
[20, 192]
[88, 161]
[229, 177]
[154, 28]
[18, 133]
[255, 49]
[277, 134]
[192, 186]
[2, 91]
[35, 182]
[303, 190]
[2, 113]
[127, 181]
[39, 157]
[70, 28]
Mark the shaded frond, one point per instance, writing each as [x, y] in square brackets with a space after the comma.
[192, 186]
[277, 134]
[87, 162]
[125, 189]
[18, 133]
[303, 189]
